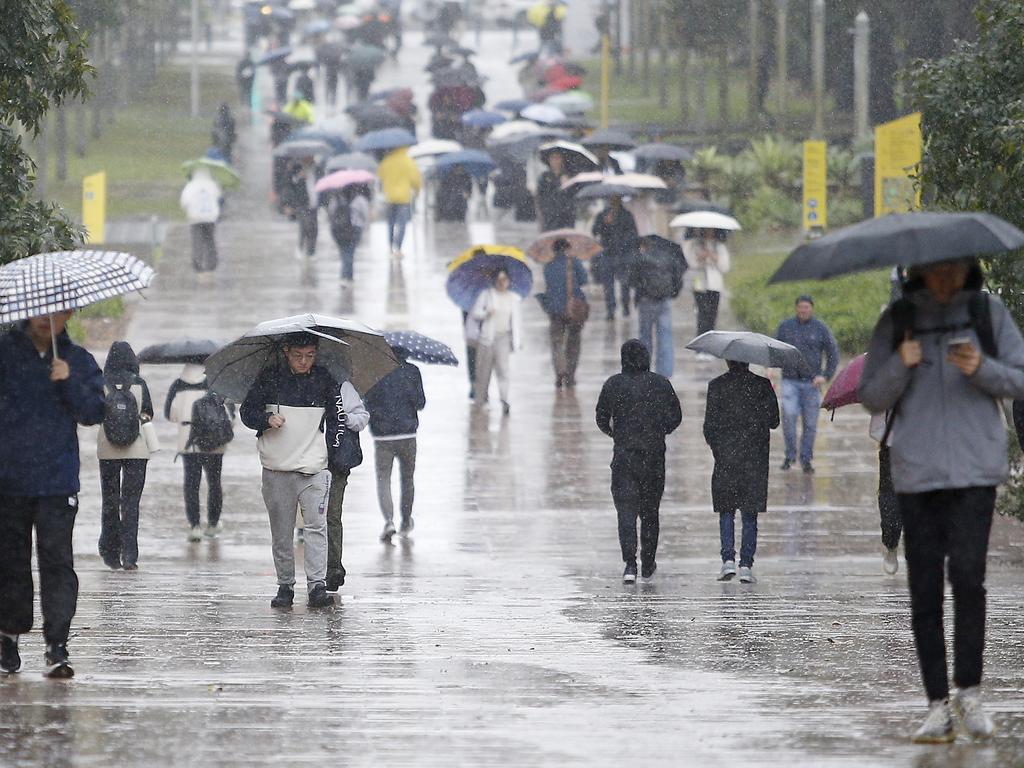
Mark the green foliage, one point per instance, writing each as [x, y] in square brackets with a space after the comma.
[848, 305]
[111, 309]
[778, 162]
[769, 209]
[844, 209]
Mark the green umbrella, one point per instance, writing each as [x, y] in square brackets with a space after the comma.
[221, 172]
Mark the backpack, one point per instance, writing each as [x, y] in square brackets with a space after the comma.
[120, 415]
[210, 427]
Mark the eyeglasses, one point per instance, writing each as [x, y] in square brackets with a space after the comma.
[297, 356]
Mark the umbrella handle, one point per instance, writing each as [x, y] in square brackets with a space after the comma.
[53, 338]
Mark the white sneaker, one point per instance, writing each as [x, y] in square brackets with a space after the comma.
[937, 727]
[973, 717]
[213, 531]
[890, 561]
[389, 531]
[728, 571]
[195, 533]
[747, 575]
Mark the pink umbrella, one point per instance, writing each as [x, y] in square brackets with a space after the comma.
[844, 388]
[342, 179]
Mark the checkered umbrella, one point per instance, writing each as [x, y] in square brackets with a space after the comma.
[421, 348]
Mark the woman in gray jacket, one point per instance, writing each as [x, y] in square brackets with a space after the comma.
[940, 360]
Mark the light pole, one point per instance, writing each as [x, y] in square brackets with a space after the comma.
[195, 59]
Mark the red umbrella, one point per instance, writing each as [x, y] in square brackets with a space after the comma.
[844, 388]
[565, 83]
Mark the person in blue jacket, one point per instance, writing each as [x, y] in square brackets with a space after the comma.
[43, 399]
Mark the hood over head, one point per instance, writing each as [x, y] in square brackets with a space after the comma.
[121, 359]
[635, 357]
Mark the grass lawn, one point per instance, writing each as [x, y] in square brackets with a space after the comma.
[143, 149]
[848, 305]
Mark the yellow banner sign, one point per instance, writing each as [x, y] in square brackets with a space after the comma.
[897, 155]
[94, 207]
[815, 185]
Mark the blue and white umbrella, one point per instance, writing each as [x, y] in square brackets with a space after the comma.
[387, 139]
[423, 349]
[481, 118]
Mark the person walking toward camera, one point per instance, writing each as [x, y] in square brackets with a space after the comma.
[801, 387]
[940, 361]
[708, 259]
[498, 314]
[567, 311]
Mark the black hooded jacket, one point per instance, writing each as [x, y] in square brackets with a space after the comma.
[638, 408]
[122, 368]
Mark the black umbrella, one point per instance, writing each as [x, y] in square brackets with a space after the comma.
[180, 351]
[377, 119]
[657, 244]
[612, 139]
[905, 238]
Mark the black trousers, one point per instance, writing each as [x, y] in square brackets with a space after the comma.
[706, 303]
[54, 520]
[195, 465]
[637, 486]
[204, 247]
[888, 507]
[309, 228]
[121, 483]
[335, 527]
[939, 525]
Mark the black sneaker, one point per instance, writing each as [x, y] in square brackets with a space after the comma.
[58, 666]
[647, 571]
[786, 465]
[10, 659]
[808, 469]
[319, 598]
[284, 599]
[335, 580]
[629, 574]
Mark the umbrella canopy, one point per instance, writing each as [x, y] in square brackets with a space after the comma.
[581, 180]
[563, 84]
[475, 162]
[581, 246]
[577, 158]
[377, 117]
[657, 244]
[517, 129]
[610, 139]
[65, 280]
[433, 148]
[747, 347]
[604, 190]
[705, 220]
[344, 178]
[302, 148]
[348, 349]
[657, 152]
[690, 205]
[423, 349]
[571, 102]
[513, 105]
[179, 351]
[474, 269]
[906, 238]
[844, 387]
[639, 181]
[387, 139]
[363, 56]
[353, 161]
[335, 139]
[543, 113]
[276, 54]
[221, 172]
[481, 118]
[316, 27]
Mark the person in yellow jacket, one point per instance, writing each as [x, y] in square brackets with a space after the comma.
[300, 109]
[400, 180]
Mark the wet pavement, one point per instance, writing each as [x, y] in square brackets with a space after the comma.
[500, 634]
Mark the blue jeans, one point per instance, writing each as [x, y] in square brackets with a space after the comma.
[800, 399]
[748, 545]
[398, 217]
[656, 318]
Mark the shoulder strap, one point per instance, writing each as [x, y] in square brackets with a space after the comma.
[981, 319]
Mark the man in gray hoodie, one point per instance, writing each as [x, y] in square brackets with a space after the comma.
[940, 360]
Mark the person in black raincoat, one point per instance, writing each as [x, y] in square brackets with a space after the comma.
[453, 192]
[615, 228]
[638, 409]
[555, 206]
[741, 412]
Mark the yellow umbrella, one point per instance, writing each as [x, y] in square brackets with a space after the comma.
[538, 14]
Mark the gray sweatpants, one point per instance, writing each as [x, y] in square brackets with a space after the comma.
[282, 492]
[386, 452]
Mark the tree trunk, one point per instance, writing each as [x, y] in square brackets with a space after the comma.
[631, 18]
[80, 131]
[723, 86]
[684, 94]
[61, 140]
[659, 30]
[101, 98]
[644, 39]
[699, 65]
[753, 59]
[782, 56]
[617, 43]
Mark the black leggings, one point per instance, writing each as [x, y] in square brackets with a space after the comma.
[888, 508]
[195, 465]
[121, 484]
[706, 303]
[937, 525]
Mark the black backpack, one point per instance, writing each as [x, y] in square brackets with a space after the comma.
[210, 427]
[120, 415]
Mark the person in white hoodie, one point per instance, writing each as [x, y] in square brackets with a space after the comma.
[497, 314]
[201, 200]
[708, 260]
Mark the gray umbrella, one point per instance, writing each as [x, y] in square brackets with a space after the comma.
[352, 161]
[302, 148]
[747, 347]
[610, 138]
[348, 349]
[656, 152]
[180, 351]
[905, 238]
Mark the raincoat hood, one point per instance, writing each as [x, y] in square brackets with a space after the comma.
[635, 357]
[193, 373]
[121, 359]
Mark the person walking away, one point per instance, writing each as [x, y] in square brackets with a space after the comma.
[42, 400]
[551, 30]
[940, 361]
[304, 202]
[556, 207]
[286, 406]
[201, 201]
[453, 192]
[567, 311]
[499, 314]
[656, 276]
[801, 388]
[400, 180]
[123, 455]
[708, 259]
[205, 428]
[638, 409]
[740, 414]
[245, 74]
[300, 108]
[349, 213]
[615, 228]
[394, 403]
[224, 131]
[305, 87]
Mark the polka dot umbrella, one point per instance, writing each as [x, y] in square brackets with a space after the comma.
[423, 349]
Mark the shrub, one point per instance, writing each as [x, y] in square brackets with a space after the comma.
[769, 209]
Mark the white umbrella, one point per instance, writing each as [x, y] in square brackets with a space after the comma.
[433, 148]
[748, 347]
[517, 128]
[638, 181]
[705, 220]
[571, 102]
[543, 113]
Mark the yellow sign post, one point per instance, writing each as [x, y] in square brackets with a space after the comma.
[94, 207]
[815, 185]
[897, 155]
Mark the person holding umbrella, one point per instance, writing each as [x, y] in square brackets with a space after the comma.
[556, 206]
[400, 181]
[497, 316]
[454, 189]
[304, 203]
[201, 200]
[656, 276]
[615, 228]
[708, 259]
